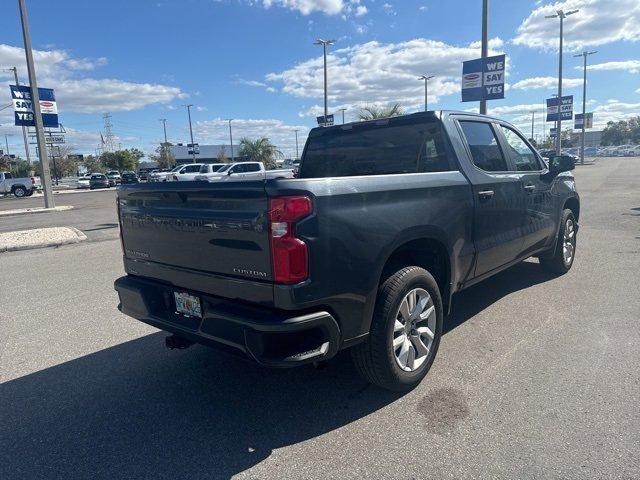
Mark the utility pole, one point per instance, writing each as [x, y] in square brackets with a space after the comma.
[296, 132]
[231, 139]
[485, 44]
[108, 132]
[37, 113]
[164, 128]
[561, 15]
[584, 56]
[324, 44]
[24, 130]
[533, 112]
[193, 147]
[6, 142]
[426, 79]
[343, 110]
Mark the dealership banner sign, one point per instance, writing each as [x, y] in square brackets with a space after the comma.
[23, 106]
[483, 79]
[566, 108]
[588, 122]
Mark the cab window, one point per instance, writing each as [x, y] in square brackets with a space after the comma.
[483, 145]
[523, 156]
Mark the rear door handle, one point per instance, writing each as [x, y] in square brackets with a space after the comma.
[529, 188]
[485, 194]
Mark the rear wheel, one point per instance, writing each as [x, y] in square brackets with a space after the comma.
[29, 192]
[565, 249]
[405, 331]
[20, 192]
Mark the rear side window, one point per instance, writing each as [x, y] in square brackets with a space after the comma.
[253, 167]
[485, 151]
[376, 150]
[8, 175]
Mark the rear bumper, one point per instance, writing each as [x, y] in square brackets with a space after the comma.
[273, 338]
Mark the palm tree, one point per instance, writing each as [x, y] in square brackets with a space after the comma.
[371, 112]
[260, 150]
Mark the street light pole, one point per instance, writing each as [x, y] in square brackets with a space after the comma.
[324, 44]
[426, 79]
[193, 147]
[6, 141]
[533, 112]
[24, 130]
[35, 98]
[231, 139]
[296, 132]
[561, 15]
[343, 110]
[485, 44]
[584, 55]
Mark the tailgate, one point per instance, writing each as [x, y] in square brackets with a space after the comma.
[217, 229]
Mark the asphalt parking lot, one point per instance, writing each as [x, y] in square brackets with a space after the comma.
[536, 376]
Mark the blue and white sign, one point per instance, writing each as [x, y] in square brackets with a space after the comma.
[322, 121]
[566, 108]
[483, 79]
[23, 106]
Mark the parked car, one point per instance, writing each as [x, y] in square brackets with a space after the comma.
[83, 181]
[129, 177]
[388, 219]
[243, 171]
[188, 172]
[114, 177]
[162, 174]
[20, 187]
[209, 169]
[99, 180]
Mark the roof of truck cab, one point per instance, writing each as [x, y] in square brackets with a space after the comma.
[409, 118]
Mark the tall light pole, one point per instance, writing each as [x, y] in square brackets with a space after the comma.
[561, 15]
[6, 142]
[343, 110]
[426, 79]
[485, 44]
[324, 44]
[24, 130]
[164, 128]
[584, 56]
[296, 132]
[533, 112]
[37, 113]
[231, 139]
[193, 147]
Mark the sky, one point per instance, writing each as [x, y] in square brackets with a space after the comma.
[255, 61]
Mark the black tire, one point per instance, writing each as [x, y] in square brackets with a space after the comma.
[20, 191]
[555, 261]
[375, 358]
[29, 192]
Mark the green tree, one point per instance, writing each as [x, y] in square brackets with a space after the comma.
[622, 132]
[163, 156]
[93, 164]
[371, 112]
[120, 160]
[21, 168]
[260, 150]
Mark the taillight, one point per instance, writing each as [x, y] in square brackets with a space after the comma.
[120, 225]
[33, 181]
[289, 255]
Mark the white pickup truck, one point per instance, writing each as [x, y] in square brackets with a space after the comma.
[20, 187]
[243, 171]
[187, 173]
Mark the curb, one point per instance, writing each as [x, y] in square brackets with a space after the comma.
[29, 211]
[71, 235]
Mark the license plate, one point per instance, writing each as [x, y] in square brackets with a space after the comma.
[188, 304]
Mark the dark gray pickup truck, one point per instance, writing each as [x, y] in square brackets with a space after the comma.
[385, 221]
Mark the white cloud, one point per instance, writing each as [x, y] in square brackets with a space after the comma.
[598, 22]
[330, 7]
[631, 66]
[57, 69]
[282, 135]
[545, 82]
[374, 72]
[613, 111]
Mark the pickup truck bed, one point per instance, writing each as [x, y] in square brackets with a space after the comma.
[290, 271]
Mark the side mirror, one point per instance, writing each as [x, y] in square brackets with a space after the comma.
[562, 163]
[229, 172]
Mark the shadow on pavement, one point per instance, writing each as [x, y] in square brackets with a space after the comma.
[473, 300]
[137, 410]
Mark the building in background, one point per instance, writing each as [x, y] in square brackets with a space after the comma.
[592, 138]
[185, 153]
